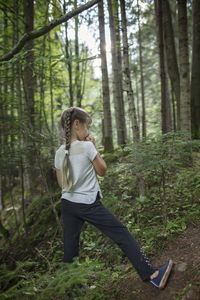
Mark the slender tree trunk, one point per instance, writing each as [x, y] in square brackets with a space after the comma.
[69, 64]
[5, 82]
[166, 127]
[42, 89]
[29, 59]
[107, 126]
[171, 56]
[83, 73]
[173, 110]
[195, 83]
[4, 129]
[131, 101]
[77, 63]
[20, 113]
[129, 90]
[141, 75]
[137, 98]
[185, 113]
[28, 82]
[51, 85]
[115, 9]
[117, 81]
[12, 92]
[1, 147]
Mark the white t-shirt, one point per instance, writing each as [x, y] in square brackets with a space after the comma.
[85, 185]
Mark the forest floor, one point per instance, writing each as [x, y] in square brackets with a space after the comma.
[184, 281]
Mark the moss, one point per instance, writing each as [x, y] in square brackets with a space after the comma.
[108, 144]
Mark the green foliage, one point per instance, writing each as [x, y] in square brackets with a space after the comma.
[170, 167]
[72, 281]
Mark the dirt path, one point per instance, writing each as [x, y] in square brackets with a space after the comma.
[185, 252]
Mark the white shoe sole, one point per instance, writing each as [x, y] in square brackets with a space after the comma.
[166, 275]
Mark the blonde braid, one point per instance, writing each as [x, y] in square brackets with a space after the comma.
[66, 171]
[67, 129]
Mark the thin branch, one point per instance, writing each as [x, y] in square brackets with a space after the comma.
[37, 33]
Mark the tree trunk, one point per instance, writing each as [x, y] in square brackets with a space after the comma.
[51, 84]
[117, 81]
[195, 83]
[29, 61]
[69, 64]
[165, 111]
[141, 75]
[20, 113]
[4, 128]
[108, 140]
[171, 56]
[137, 98]
[77, 63]
[185, 113]
[129, 90]
[28, 82]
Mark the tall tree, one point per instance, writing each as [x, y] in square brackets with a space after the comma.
[185, 113]
[4, 128]
[28, 71]
[141, 74]
[77, 67]
[195, 86]
[28, 81]
[117, 77]
[165, 111]
[108, 141]
[169, 44]
[69, 63]
[127, 75]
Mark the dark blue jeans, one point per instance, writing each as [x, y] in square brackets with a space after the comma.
[74, 215]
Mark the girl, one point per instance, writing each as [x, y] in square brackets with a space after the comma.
[77, 164]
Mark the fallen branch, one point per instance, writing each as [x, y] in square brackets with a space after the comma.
[42, 31]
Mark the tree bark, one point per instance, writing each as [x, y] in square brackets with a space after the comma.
[117, 80]
[108, 140]
[37, 33]
[195, 82]
[69, 64]
[165, 111]
[185, 113]
[29, 84]
[77, 63]
[127, 75]
[171, 56]
[51, 85]
[29, 62]
[141, 75]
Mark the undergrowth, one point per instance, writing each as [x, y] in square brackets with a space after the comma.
[32, 267]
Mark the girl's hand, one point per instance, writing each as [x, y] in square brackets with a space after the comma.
[90, 139]
[98, 163]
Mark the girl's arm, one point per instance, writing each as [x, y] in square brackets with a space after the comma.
[98, 163]
[59, 178]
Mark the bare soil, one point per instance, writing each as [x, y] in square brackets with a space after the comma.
[184, 281]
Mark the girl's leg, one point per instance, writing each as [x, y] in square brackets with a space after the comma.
[104, 220]
[72, 228]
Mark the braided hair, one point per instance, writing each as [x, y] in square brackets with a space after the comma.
[68, 117]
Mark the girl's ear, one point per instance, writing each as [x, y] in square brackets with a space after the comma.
[76, 124]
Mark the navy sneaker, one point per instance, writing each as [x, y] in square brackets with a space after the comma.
[163, 274]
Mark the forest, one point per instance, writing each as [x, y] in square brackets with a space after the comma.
[134, 66]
